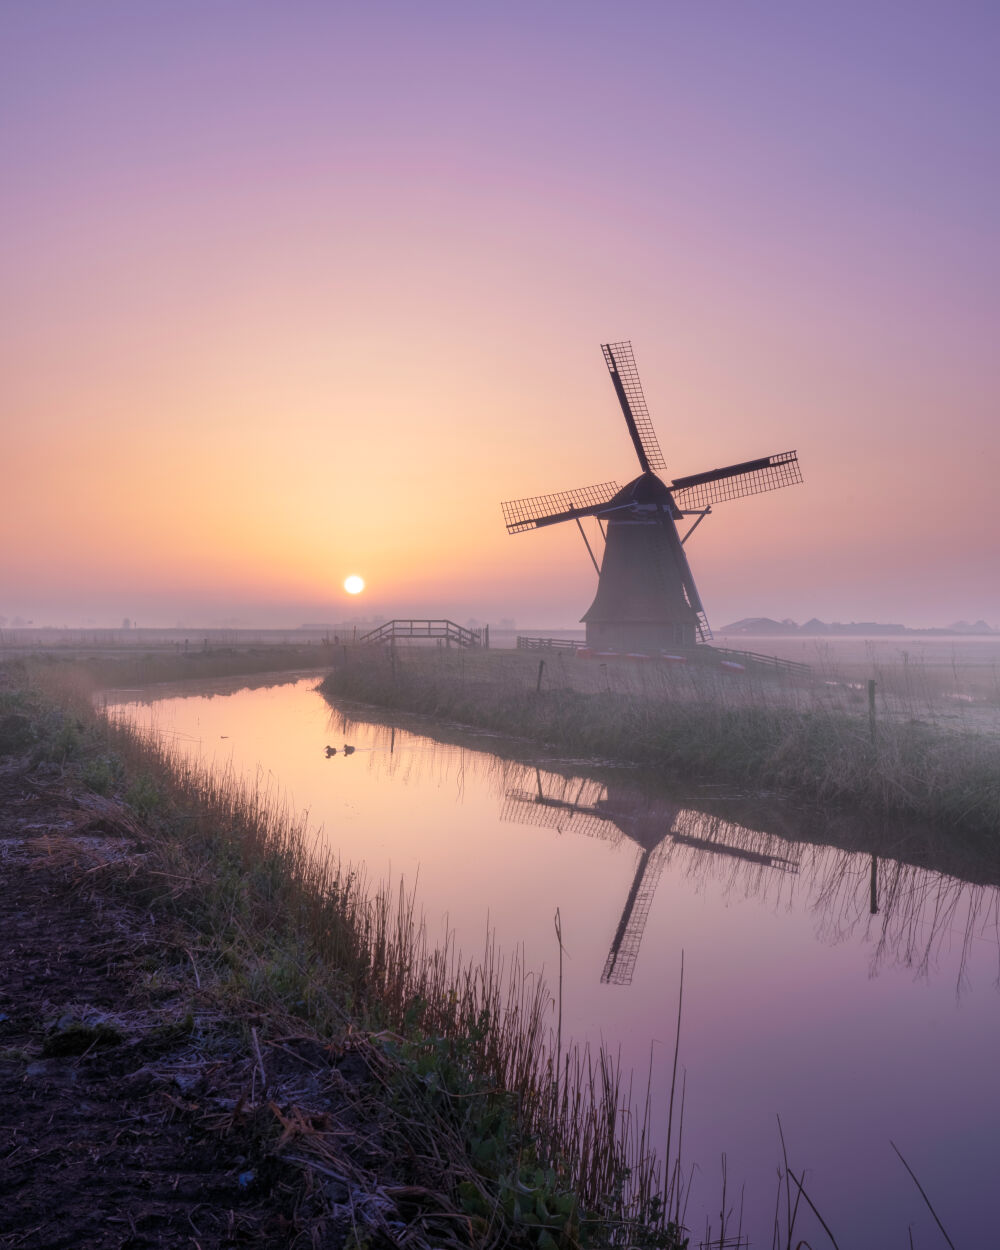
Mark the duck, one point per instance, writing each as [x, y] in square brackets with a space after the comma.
[330, 751]
[348, 750]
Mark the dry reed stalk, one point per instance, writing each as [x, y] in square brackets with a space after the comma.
[922, 1194]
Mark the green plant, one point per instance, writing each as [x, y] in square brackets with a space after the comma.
[102, 773]
[144, 794]
[62, 741]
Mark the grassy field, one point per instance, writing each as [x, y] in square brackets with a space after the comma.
[921, 748]
[131, 666]
[943, 678]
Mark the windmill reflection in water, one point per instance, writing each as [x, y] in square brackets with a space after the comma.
[916, 897]
[611, 811]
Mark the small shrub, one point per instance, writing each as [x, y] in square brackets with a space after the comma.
[103, 773]
[144, 795]
[65, 743]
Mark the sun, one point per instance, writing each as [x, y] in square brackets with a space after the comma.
[354, 585]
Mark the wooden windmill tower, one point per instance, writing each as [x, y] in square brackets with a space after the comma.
[647, 600]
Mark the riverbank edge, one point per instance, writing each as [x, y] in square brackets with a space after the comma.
[223, 876]
[896, 769]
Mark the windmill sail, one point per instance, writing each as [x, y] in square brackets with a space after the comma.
[752, 477]
[529, 514]
[628, 388]
[619, 967]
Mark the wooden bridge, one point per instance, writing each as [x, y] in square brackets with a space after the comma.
[446, 633]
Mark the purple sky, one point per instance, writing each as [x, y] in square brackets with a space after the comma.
[300, 290]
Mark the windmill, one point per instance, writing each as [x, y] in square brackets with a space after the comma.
[616, 811]
[647, 600]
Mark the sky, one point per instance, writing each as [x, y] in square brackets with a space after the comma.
[295, 291]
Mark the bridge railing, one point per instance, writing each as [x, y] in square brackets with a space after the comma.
[448, 631]
[765, 661]
[549, 644]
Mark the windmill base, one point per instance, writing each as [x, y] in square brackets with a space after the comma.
[640, 637]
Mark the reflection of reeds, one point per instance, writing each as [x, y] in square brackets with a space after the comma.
[919, 910]
[777, 732]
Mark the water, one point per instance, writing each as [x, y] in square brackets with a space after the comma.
[854, 1028]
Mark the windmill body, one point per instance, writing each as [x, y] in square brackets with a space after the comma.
[647, 601]
[646, 598]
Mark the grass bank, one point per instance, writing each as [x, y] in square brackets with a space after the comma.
[471, 1128]
[130, 666]
[788, 735]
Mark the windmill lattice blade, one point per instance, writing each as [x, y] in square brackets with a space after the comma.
[523, 807]
[619, 967]
[528, 514]
[752, 477]
[621, 365]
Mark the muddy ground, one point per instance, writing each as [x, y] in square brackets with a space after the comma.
[134, 1112]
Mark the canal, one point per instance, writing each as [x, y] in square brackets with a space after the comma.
[850, 991]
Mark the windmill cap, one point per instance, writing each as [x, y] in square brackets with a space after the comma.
[645, 489]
